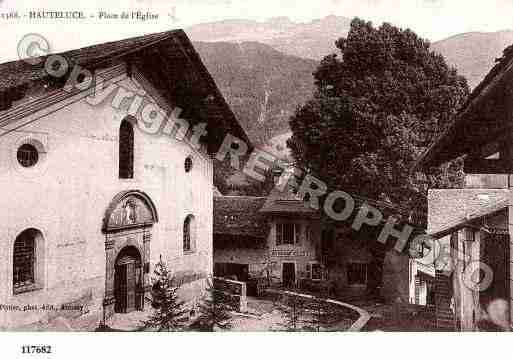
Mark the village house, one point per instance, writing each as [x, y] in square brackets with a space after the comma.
[266, 238]
[91, 201]
[473, 224]
[280, 239]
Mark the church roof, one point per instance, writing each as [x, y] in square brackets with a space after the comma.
[15, 73]
[167, 59]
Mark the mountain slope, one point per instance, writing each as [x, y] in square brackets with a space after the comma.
[312, 40]
[473, 53]
[264, 69]
[262, 86]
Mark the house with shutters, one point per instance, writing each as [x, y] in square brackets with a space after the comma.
[281, 240]
[259, 238]
[473, 225]
[97, 191]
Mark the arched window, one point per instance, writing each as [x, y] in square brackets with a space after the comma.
[188, 164]
[189, 234]
[27, 261]
[126, 150]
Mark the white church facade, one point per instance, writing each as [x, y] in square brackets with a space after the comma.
[92, 199]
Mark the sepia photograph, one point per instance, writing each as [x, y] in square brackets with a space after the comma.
[255, 167]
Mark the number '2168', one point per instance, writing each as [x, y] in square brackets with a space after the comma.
[36, 349]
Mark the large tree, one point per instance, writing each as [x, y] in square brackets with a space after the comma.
[375, 109]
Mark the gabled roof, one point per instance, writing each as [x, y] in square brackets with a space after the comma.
[15, 73]
[168, 60]
[286, 202]
[239, 216]
[485, 116]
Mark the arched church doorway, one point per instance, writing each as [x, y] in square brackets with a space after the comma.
[128, 226]
[128, 281]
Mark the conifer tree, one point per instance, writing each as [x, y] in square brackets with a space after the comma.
[214, 311]
[170, 314]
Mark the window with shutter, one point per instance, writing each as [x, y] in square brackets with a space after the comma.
[297, 237]
[417, 289]
[288, 233]
[308, 234]
[285, 233]
[356, 273]
[316, 271]
[279, 234]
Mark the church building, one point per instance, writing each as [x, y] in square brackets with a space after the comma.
[106, 167]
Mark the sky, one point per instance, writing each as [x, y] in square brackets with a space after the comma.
[432, 19]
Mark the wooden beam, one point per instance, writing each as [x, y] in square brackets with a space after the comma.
[474, 165]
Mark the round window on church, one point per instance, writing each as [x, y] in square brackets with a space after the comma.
[27, 155]
[188, 164]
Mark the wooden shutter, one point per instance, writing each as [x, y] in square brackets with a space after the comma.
[297, 234]
[318, 274]
[279, 234]
[309, 271]
[417, 289]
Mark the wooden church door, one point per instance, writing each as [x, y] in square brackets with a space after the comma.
[130, 286]
[126, 282]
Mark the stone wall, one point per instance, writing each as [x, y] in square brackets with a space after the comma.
[257, 259]
[236, 294]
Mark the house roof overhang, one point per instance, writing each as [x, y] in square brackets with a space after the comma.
[238, 218]
[486, 115]
[469, 221]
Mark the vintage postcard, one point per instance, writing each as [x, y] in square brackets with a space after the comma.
[258, 166]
